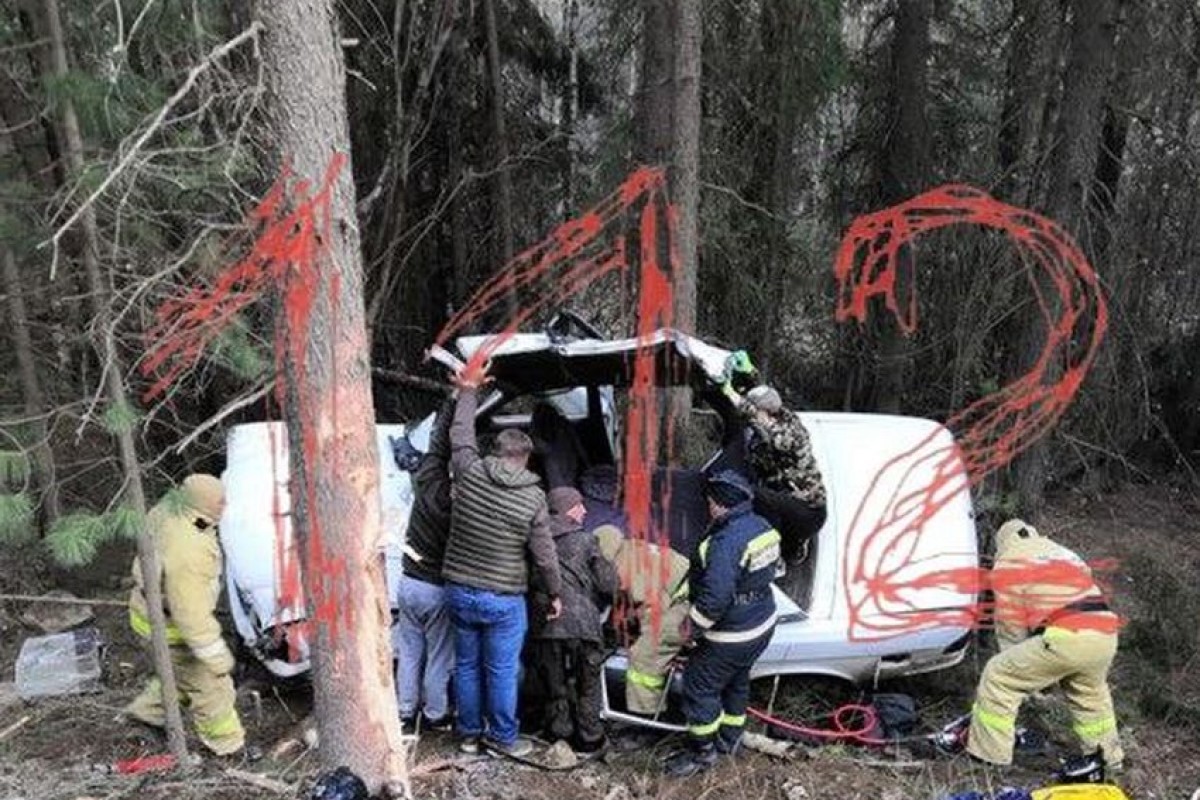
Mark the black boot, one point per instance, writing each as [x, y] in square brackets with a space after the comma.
[700, 755]
[729, 740]
[1082, 769]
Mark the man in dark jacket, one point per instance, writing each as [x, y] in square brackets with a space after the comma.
[497, 517]
[426, 647]
[733, 615]
[566, 652]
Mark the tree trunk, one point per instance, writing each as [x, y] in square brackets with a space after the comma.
[1072, 165]
[570, 116]
[503, 185]
[667, 133]
[1031, 57]
[115, 390]
[654, 104]
[903, 172]
[31, 388]
[685, 163]
[456, 74]
[333, 455]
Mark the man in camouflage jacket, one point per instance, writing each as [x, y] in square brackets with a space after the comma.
[770, 445]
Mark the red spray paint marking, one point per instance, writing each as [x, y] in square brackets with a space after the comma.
[879, 557]
[293, 230]
[291, 244]
[563, 265]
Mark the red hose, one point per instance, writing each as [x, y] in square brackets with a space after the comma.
[841, 730]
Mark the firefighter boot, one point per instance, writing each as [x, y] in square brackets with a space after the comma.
[700, 755]
[729, 740]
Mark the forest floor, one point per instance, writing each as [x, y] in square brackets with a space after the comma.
[1150, 531]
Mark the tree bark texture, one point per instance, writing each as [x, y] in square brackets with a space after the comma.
[654, 104]
[667, 133]
[115, 391]
[1072, 166]
[503, 185]
[685, 172]
[904, 167]
[330, 413]
[31, 389]
[1031, 58]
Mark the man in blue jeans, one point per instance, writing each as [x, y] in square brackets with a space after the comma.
[426, 644]
[498, 516]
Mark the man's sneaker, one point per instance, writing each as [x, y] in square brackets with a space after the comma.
[520, 748]
[408, 725]
[469, 745]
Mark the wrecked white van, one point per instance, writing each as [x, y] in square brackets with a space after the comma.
[579, 376]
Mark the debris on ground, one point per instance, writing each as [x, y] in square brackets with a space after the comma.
[559, 756]
[61, 663]
[794, 790]
[766, 745]
[59, 611]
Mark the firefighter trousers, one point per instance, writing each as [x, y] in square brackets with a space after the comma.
[1079, 660]
[209, 697]
[650, 658]
[716, 687]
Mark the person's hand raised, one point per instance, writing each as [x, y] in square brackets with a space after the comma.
[473, 375]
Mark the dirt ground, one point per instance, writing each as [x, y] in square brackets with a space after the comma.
[1151, 533]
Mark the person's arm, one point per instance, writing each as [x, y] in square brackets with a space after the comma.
[604, 574]
[432, 477]
[439, 437]
[1010, 614]
[191, 570]
[713, 589]
[810, 483]
[464, 447]
[541, 546]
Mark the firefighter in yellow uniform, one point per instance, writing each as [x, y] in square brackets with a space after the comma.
[642, 577]
[1053, 626]
[185, 533]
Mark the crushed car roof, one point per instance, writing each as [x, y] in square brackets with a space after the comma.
[537, 362]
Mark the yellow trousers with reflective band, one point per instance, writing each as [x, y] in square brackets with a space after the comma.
[1079, 660]
[650, 658]
[209, 697]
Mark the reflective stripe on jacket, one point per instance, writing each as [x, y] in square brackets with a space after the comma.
[731, 577]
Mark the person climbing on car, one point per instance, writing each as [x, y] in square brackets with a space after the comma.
[425, 644]
[497, 517]
[768, 442]
[732, 618]
[565, 652]
[184, 530]
[1053, 627]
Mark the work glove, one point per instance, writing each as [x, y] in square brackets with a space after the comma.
[739, 369]
[219, 660]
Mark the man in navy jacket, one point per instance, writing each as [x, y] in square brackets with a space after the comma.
[732, 619]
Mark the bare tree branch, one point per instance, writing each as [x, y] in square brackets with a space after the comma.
[196, 71]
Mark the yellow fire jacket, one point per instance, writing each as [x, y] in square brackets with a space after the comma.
[1034, 580]
[190, 557]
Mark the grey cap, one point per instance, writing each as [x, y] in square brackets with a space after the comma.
[765, 398]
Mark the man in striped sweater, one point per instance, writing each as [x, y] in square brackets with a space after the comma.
[498, 516]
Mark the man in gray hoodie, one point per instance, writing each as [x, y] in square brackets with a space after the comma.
[498, 516]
